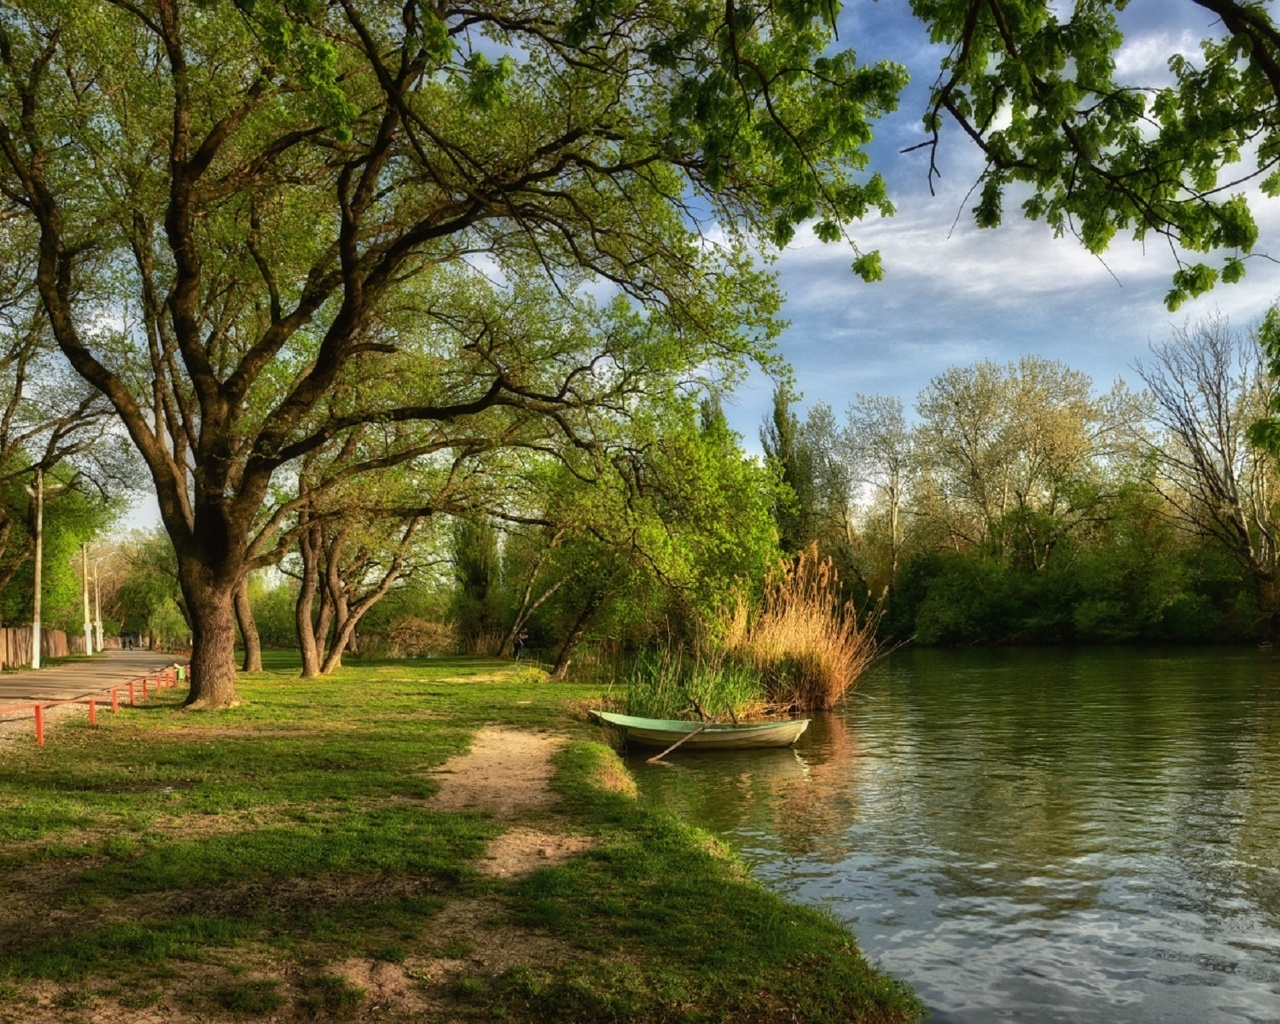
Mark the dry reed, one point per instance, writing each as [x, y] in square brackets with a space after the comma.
[808, 645]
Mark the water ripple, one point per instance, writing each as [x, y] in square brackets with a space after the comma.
[1090, 837]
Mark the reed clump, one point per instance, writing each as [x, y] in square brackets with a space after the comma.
[669, 683]
[807, 645]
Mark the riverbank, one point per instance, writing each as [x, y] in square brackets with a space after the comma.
[444, 840]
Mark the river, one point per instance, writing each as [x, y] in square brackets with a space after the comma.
[1031, 835]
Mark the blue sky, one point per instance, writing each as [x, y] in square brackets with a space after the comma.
[954, 294]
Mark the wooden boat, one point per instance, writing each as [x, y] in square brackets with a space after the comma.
[662, 732]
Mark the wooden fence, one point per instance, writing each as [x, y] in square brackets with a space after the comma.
[15, 645]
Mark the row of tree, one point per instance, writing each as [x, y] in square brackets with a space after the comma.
[1020, 504]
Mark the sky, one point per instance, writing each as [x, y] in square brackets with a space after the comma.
[954, 294]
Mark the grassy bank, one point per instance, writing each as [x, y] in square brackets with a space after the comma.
[281, 861]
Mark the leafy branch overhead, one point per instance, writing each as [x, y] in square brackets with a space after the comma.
[1035, 86]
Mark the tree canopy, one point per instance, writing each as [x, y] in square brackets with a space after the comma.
[262, 225]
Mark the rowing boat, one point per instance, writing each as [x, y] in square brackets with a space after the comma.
[662, 732]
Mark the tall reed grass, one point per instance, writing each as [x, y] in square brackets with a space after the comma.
[807, 645]
[669, 683]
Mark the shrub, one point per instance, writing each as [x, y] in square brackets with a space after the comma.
[410, 637]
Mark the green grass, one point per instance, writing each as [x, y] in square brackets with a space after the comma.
[227, 862]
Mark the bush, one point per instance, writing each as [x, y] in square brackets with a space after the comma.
[410, 637]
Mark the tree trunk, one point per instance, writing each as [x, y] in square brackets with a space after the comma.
[561, 667]
[527, 604]
[324, 626]
[309, 546]
[347, 614]
[248, 629]
[342, 637]
[213, 638]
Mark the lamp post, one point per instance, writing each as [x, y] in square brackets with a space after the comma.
[97, 604]
[88, 626]
[38, 493]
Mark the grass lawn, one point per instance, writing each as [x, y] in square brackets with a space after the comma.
[281, 861]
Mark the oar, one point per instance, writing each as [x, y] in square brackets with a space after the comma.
[658, 757]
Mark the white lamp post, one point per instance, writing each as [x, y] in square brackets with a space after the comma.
[97, 604]
[38, 493]
[88, 626]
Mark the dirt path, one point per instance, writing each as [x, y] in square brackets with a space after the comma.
[506, 773]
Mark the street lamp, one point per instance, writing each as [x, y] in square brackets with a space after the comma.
[97, 599]
[88, 626]
[97, 603]
[38, 493]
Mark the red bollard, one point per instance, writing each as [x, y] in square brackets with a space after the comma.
[39, 726]
[115, 703]
[131, 692]
[144, 688]
[93, 714]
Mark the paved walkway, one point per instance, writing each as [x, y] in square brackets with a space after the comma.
[81, 678]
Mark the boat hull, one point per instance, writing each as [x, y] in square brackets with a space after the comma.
[661, 733]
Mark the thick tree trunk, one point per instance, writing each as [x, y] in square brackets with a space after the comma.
[336, 604]
[213, 640]
[324, 627]
[341, 638]
[347, 613]
[248, 629]
[350, 617]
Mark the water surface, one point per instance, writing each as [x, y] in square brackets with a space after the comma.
[1084, 836]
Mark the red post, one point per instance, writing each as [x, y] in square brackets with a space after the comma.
[115, 701]
[131, 692]
[144, 688]
[93, 714]
[39, 726]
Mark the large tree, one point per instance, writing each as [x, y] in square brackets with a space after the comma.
[241, 206]
[1017, 453]
[1210, 385]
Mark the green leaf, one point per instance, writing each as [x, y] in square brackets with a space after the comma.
[868, 267]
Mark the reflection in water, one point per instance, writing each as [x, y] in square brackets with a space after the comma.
[1034, 836]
